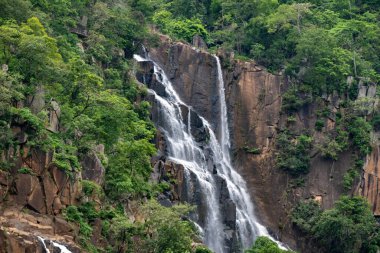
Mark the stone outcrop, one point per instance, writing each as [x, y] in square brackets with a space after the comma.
[369, 185]
[92, 168]
[43, 187]
[20, 229]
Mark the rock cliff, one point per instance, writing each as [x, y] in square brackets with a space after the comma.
[254, 98]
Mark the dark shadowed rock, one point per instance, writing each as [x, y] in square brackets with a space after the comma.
[92, 168]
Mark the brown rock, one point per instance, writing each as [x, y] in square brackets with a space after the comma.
[92, 169]
[54, 114]
[199, 42]
[50, 191]
[62, 227]
[60, 178]
[24, 185]
[37, 200]
[57, 205]
[369, 186]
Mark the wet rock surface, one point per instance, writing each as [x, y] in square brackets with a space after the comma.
[254, 98]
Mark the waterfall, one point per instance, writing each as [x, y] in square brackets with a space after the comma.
[208, 162]
[62, 248]
[247, 223]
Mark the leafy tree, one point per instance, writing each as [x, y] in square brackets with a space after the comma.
[14, 9]
[348, 227]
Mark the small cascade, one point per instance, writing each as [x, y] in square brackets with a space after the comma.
[207, 166]
[62, 248]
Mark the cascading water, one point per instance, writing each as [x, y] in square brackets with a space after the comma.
[208, 162]
[62, 248]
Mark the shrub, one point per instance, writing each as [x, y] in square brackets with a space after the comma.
[252, 150]
[305, 215]
[89, 188]
[359, 130]
[25, 170]
[331, 149]
[293, 156]
[202, 249]
[349, 178]
[265, 245]
[319, 124]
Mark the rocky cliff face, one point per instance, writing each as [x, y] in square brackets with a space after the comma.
[254, 98]
[34, 191]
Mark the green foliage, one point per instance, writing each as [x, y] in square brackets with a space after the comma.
[293, 153]
[202, 249]
[90, 188]
[376, 122]
[73, 214]
[331, 149]
[349, 178]
[348, 227]
[265, 245]
[252, 150]
[293, 100]
[306, 214]
[184, 29]
[24, 170]
[169, 232]
[319, 124]
[352, 174]
[360, 129]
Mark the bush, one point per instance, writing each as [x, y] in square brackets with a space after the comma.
[331, 149]
[252, 150]
[265, 245]
[293, 100]
[319, 124]
[89, 188]
[305, 215]
[202, 249]
[359, 130]
[293, 156]
[349, 178]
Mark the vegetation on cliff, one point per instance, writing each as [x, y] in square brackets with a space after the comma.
[77, 55]
[348, 227]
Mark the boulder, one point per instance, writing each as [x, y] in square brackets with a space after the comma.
[199, 42]
[92, 168]
[54, 114]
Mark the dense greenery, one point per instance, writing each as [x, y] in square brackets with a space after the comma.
[320, 42]
[293, 156]
[348, 227]
[83, 65]
[161, 229]
[265, 245]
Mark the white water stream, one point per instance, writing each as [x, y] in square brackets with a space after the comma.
[61, 247]
[183, 149]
